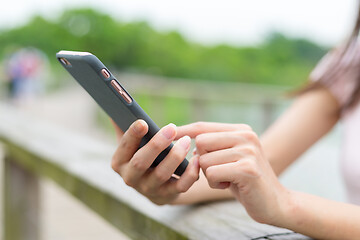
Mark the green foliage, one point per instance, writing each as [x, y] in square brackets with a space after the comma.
[138, 47]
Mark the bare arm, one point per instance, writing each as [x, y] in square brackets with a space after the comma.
[310, 117]
[321, 218]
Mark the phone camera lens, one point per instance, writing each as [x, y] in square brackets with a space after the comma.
[65, 62]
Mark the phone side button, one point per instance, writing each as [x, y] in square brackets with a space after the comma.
[126, 97]
[119, 89]
[105, 73]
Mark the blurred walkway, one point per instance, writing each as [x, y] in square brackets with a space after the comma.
[63, 217]
[71, 108]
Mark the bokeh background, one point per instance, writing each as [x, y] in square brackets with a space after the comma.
[183, 61]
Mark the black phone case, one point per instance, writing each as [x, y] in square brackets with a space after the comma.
[86, 69]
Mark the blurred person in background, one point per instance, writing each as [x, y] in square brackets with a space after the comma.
[25, 70]
[236, 163]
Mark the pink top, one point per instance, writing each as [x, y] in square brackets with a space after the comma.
[342, 90]
[350, 149]
[350, 155]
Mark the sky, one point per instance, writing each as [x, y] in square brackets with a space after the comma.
[236, 22]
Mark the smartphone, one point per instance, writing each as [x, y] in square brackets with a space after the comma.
[111, 95]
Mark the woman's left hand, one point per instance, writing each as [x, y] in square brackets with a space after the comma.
[231, 156]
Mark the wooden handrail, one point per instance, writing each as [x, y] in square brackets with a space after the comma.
[80, 165]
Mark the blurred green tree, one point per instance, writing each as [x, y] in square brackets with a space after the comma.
[138, 47]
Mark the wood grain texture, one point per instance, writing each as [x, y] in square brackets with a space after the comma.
[81, 166]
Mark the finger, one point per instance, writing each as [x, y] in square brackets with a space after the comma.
[118, 131]
[163, 172]
[223, 156]
[188, 178]
[197, 128]
[209, 142]
[223, 185]
[129, 143]
[146, 155]
[239, 173]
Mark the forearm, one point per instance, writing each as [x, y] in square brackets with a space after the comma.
[310, 117]
[320, 218]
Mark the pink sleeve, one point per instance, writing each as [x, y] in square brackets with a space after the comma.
[341, 88]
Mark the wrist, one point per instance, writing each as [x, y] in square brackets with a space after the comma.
[280, 215]
[288, 209]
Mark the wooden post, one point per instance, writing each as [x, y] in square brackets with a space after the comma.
[21, 202]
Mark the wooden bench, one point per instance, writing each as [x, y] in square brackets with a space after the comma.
[80, 165]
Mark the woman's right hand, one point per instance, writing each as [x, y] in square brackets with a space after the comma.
[133, 164]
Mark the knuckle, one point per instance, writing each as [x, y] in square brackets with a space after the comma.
[203, 162]
[251, 136]
[138, 165]
[194, 176]
[199, 124]
[146, 190]
[249, 167]
[128, 181]
[238, 153]
[160, 175]
[181, 188]
[244, 127]
[125, 145]
[156, 145]
[250, 150]
[210, 174]
[162, 192]
[177, 153]
[200, 141]
[115, 164]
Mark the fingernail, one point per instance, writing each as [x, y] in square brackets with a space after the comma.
[185, 142]
[196, 161]
[223, 185]
[169, 131]
[194, 151]
[139, 125]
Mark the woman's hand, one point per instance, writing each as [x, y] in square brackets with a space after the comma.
[133, 164]
[231, 156]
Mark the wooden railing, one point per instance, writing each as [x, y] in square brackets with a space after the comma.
[80, 165]
[198, 98]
